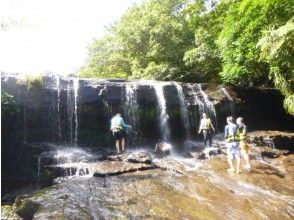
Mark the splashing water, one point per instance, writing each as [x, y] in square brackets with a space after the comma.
[69, 112]
[58, 105]
[74, 161]
[76, 90]
[183, 110]
[132, 104]
[163, 118]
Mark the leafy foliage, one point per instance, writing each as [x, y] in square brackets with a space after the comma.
[8, 105]
[277, 49]
[237, 42]
[31, 80]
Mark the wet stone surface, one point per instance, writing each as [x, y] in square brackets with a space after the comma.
[170, 188]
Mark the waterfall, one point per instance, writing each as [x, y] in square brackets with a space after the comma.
[201, 99]
[230, 99]
[76, 90]
[163, 118]
[183, 109]
[131, 104]
[58, 105]
[208, 104]
[196, 99]
[24, 125]
[69, 112]
[74, 161]
[39, 170]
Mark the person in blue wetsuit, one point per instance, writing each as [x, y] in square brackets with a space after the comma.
[118, 128]
[232, 142]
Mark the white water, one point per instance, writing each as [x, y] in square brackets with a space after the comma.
[131, 105]
[208, 104]
[183, 110]
[58, 105]
[74, 161]
[163, 118]
[69, 113]
[76, 91]
[39, 170]
[196, 100]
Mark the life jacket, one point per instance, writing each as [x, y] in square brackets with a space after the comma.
[242, 133]
[206, 123]
[233, 134]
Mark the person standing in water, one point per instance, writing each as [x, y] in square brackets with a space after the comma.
[206, 127]
[118, 128]
[232, 143]
[242, 132]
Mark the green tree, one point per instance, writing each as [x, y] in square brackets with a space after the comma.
[154, 35]
[106, 59]
[243, 27]
[277, 49]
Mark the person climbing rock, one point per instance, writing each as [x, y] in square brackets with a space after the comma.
[232, 142]
[242, 132]
[118, 128]
[206, 127]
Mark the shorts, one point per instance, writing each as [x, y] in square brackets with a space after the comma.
[118, 134]
[233, 150]
[244, 147]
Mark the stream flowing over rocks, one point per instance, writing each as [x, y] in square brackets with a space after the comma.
[59, 160]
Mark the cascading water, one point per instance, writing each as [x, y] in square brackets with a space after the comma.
[183, 110]
[39, 170]
[163, 118]
[24, 125]
[131, 104]
[74, 161]
[58, 106]
[208, 104]
[69, 113]
[230, 99]
[76, 90]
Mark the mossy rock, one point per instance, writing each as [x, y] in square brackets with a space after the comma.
[27, 208]
[7, 212]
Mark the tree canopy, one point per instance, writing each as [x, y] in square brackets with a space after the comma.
[237, 42]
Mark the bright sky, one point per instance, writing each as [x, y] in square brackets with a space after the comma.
[52, 35]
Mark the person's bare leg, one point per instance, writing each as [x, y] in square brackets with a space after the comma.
[238, 164]
[246, 158]
[230, 161]
[123, 144]
[117, 146]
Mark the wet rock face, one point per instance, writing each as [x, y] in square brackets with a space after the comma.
[27, 209]
[273, 139]
[180, 188]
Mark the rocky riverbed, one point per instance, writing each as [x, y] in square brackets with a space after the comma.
[137, 185]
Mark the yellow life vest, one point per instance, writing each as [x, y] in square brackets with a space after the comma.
[233, 137]
[242, 133]
[206, 123]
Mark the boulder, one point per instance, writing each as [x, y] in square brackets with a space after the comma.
[274, 139]
[27, 208]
